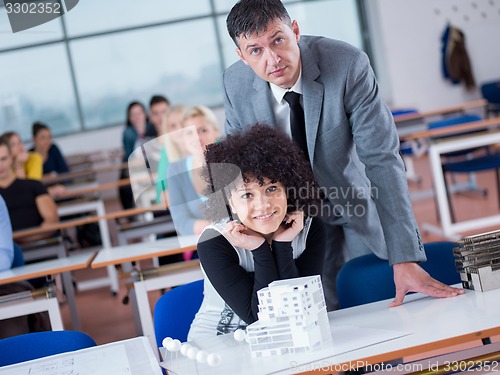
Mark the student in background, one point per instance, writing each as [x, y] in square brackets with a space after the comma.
[185, 184]
[22, 324]
[158, 106]
[172, 148]
[261, 201]
[53, 160]
[27, 164]
[28, 202]
[6, 248]
[138, 130]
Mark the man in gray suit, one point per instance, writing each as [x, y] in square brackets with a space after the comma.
[351, 138]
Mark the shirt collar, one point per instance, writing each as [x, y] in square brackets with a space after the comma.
[279, 93]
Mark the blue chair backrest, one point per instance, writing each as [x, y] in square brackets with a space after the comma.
[403, 111]
[18, 257]
[369, 279]
[175, 311]
[491, 91]
[462, 119]
[41, 344]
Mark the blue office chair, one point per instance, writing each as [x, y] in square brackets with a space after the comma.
[491, 92]
[41, 344]
[465, 161]
[369, 279]
[18, 260]
[175, 311]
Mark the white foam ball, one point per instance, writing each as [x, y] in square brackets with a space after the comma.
[213, 359]
[239, 335]
[184, 348]
[192, 352]
[170, 346]
[176, 345]
[201, 357]
[165, 341]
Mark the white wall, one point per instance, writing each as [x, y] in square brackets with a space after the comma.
[406, 36]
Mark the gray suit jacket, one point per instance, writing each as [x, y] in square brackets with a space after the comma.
[352, 141]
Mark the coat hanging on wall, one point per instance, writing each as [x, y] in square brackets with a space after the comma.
[455, 59]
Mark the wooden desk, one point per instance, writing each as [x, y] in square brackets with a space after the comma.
[82, 173]
[440, 111]
[421, 324]
[448, 229]
[133, 356]
[96, 206]
[147, 250]
[86, 220]
[453, 130]
[41, 269]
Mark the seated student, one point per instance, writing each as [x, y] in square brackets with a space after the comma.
[271, 236]
[53, 160]
[6, 246]
[26, 164]
[28, 202]
[172, 148]
[22, 324]
[158, 107]
[138, 130]
[185, 184]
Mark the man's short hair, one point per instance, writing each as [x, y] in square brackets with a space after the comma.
[37, 127]
[155, 99]
[249, 17]
[5, 142]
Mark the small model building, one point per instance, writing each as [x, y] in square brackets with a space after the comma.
[292, 318]
[478, 261]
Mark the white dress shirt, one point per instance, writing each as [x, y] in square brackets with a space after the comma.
[281, 108]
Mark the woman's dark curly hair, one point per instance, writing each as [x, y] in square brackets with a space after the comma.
[257, 153]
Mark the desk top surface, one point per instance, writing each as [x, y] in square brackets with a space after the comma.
[134, 357]
[440, 111]
[48, 267]
[380, 333]
[144, 250]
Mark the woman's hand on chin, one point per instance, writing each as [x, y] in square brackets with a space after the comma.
[239, 235]
[290, 228]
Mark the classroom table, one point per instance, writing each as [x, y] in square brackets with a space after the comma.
[97, 206]
[399, 119]
[41, 269]
[367, 335]
[179, 274]
[448, 229]
[132, 356]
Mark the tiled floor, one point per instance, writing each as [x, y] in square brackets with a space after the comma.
[107, 319]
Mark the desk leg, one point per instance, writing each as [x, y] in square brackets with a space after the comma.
[132, 300]
[144, 309]
[54, 314]
[70, 297]
[106, 243]
[31, 306]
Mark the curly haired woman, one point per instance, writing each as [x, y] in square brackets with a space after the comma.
[261, 194]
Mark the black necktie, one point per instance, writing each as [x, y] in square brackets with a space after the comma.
[297, 122]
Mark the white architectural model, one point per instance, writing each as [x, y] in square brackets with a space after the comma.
[292, 318]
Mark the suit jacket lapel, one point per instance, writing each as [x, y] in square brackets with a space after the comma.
[313, 96]
[261, 102]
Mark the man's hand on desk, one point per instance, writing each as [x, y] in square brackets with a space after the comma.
[410, 277]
